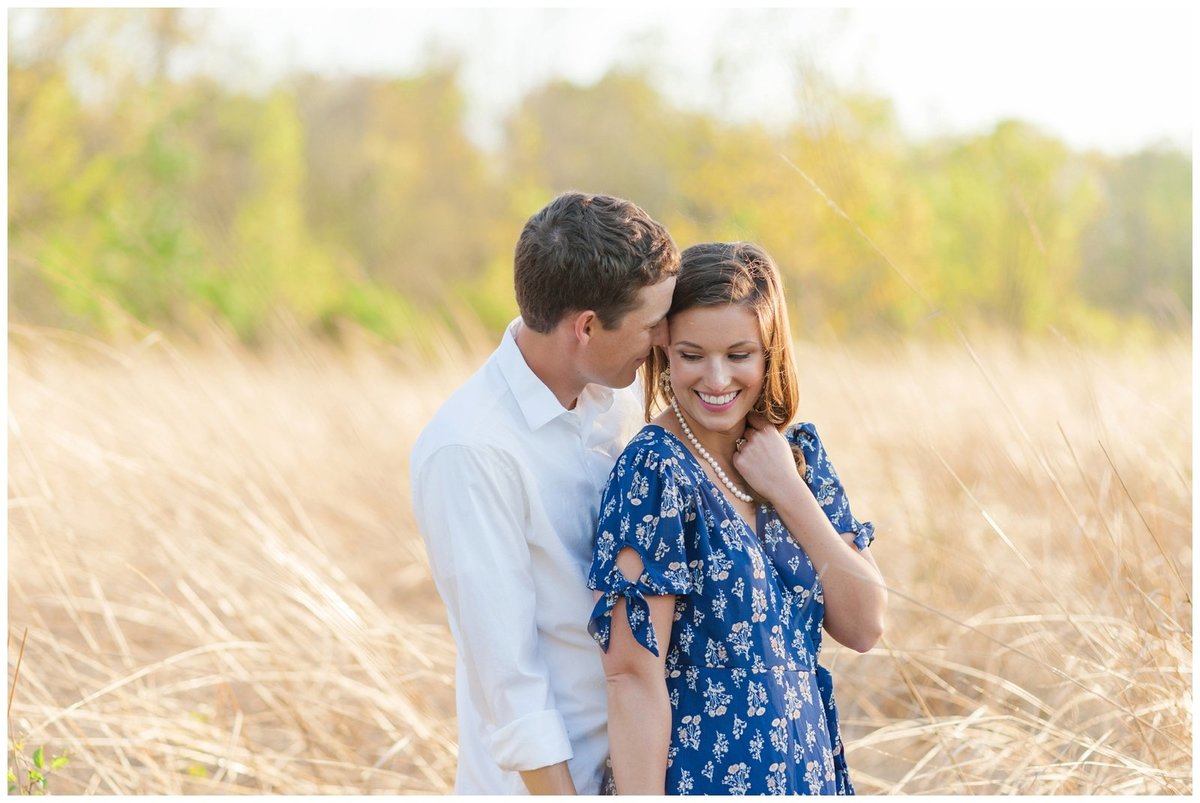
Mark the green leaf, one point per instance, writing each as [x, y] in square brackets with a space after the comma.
[58, 762]
[39, 760]
[36, 776]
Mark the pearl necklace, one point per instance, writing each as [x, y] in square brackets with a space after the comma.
[736, 491]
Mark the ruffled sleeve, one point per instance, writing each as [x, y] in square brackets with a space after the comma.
[647, 506]
[823, 481]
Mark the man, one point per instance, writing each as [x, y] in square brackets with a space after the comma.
[506, 483]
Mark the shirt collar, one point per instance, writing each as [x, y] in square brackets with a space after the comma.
[538, 403]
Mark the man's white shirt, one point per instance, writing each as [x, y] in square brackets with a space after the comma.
[506, 487]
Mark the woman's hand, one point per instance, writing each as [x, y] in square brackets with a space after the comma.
[764, 459]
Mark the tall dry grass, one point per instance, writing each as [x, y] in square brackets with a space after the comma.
[214, 558]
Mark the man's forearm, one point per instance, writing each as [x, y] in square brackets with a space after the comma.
[552, 780]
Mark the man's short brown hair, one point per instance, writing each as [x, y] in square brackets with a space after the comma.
[588, 252]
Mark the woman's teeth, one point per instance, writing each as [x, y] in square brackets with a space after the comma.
[717, 401]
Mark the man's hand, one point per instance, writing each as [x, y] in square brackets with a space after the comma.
[552, 780]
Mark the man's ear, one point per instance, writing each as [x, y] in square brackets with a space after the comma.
[583, 325]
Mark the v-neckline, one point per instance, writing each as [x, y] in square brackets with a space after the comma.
[758, 507]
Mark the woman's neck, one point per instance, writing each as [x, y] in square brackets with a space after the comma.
[719, 444]
[718, 448]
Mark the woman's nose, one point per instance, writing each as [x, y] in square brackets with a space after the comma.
[718, 374]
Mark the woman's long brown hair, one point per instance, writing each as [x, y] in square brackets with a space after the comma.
[718, 274]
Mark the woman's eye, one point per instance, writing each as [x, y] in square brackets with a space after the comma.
[689, 357]
[741, 355]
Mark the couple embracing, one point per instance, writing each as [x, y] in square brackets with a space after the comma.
[639, 609]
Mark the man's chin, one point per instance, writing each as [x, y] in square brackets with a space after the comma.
[623, 381]
[620, 381]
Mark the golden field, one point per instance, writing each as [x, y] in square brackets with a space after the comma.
[213, 564]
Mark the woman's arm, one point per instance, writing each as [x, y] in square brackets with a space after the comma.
[855, 597]
[639, 711]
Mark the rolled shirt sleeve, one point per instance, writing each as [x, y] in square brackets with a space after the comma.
[471, 509]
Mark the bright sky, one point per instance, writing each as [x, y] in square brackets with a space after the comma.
[1115, 79]
[1098, 77]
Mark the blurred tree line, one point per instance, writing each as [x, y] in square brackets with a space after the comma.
[138, 199]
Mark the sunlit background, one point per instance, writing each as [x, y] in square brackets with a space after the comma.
[250, 252]
[1027, 169]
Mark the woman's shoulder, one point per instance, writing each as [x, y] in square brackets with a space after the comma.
[653, 445]
[649, 476]
[654, 458]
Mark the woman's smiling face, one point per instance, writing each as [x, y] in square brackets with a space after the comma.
[718, 366]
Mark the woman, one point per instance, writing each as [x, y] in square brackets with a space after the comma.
[724, 546]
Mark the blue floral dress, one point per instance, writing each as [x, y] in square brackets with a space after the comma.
[752, 711]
